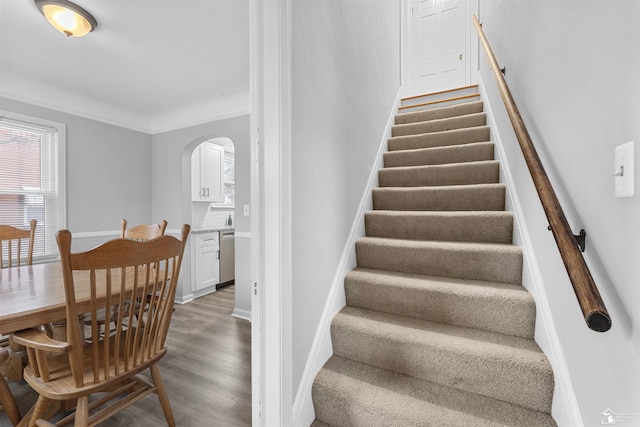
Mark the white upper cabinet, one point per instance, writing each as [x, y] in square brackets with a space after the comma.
[207, 173]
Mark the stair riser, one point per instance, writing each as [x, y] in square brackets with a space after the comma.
[440, 125]
[475, 263]
[440, 104]
[344, 409]
[438, 175]
[440, 226]
[458, 198]
[472, 152]
[444, 303]
[471, 371]
[439, 96]
[440, 113]
[439, 139]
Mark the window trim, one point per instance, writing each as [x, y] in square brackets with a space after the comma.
[61, 182]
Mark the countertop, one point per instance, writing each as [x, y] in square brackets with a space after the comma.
[210, 229]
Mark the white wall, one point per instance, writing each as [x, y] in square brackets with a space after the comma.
[345, 77]
[108, 173]
[573, 67]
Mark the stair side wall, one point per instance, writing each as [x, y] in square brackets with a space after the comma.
[322, 348]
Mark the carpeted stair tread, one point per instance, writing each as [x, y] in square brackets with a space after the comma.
[438, 125]
[484, 172]
[459, 226]
[477, 197]
[495, 307]
[472, 152]
[355, 394]
[499, 366]
[439, 139]
[439, 113]
[491, 262]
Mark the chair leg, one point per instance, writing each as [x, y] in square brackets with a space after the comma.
[82, 412]
[8, 402]
[161, 391]
[39, 410]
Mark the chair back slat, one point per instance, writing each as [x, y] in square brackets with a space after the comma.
[138, 280]
[12, 251]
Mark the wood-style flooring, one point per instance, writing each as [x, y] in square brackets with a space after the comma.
[207, 370]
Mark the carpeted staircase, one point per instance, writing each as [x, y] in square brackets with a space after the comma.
[438, 330]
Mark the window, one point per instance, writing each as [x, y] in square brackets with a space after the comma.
[229, 178]
[32, 177]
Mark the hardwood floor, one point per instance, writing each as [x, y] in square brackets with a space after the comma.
[207, 370]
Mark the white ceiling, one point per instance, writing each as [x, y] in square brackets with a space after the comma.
[151, 65]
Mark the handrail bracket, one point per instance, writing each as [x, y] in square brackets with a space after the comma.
[581, 239]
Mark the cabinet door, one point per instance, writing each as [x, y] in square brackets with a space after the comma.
[211, 171]
[208, 267]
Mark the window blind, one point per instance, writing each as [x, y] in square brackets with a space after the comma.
[30, 179]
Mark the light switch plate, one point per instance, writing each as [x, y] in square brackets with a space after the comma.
[624, 170]
[246, 210]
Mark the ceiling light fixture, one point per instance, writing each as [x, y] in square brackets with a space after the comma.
[67, 17]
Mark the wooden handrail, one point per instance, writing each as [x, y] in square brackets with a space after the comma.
[589, 299]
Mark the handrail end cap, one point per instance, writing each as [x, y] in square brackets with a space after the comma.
[598, 321]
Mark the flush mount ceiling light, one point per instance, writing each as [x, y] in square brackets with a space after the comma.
[67, 17]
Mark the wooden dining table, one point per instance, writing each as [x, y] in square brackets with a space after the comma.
[31, 296]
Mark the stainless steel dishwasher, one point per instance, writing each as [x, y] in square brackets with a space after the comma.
[227, 258]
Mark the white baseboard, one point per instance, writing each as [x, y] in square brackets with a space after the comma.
[184, 299]
[565, 409]
[321, 349]
[241, 314]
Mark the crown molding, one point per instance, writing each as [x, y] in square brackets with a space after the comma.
[38, 94]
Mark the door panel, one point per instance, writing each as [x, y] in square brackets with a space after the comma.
[437, 45]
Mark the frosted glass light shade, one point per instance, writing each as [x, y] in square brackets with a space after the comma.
[66, 17]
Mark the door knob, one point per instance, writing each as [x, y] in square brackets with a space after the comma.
[460, 57]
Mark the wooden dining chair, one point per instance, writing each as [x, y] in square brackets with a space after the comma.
[119, 271]
[16, 249]
[12, 242]
[142, 231]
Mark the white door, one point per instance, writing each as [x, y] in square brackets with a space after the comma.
[437, 51]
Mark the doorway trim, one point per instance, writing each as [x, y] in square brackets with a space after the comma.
[271, 268]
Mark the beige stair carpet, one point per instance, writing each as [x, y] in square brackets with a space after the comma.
[438, 330]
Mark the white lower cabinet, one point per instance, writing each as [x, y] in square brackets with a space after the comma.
[207, 260]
